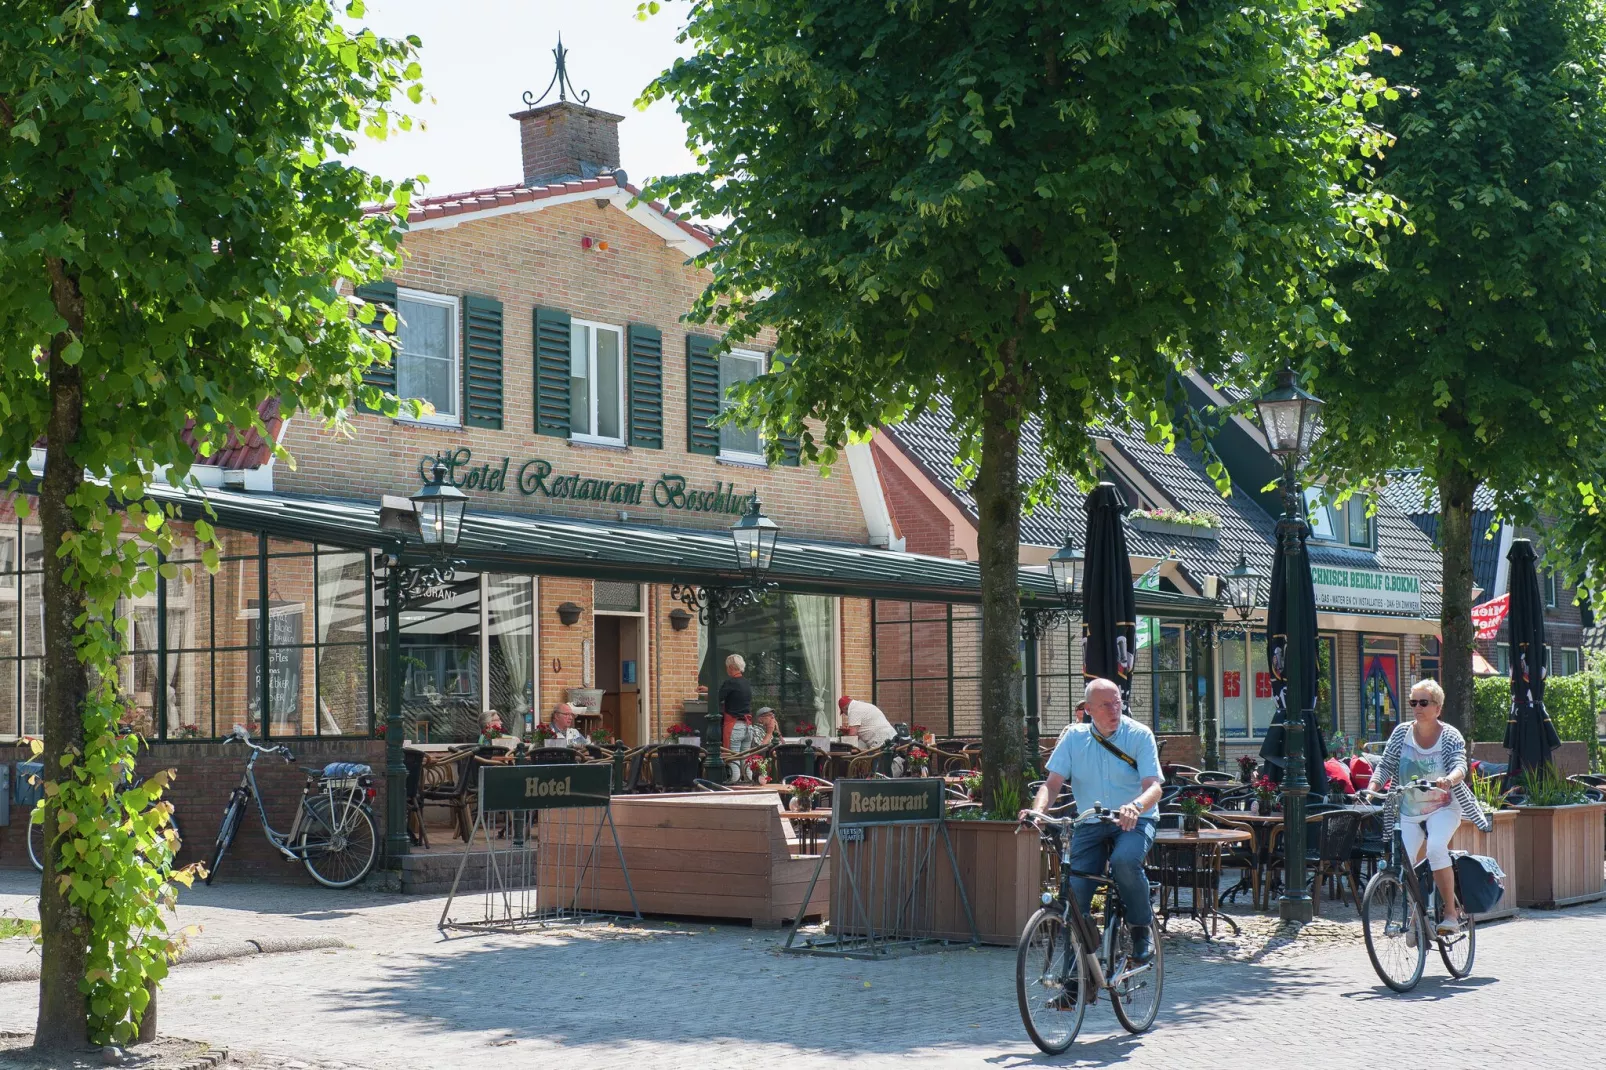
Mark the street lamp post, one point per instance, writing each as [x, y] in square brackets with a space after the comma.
[438, 507]
[753, 537]
[1291, 419]
[1240, 591]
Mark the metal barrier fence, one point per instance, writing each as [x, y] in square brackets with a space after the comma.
[542, 828]
[885, 892]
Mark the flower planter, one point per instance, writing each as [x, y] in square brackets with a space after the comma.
[1171, 527]
[1500, 844]
[1559, 852]
[690, 741]
[1002, 875]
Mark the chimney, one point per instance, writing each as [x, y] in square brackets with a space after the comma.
[564, 141]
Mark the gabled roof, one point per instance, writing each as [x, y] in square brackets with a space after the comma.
[1412, 493]
[929, 442]
[429, 213]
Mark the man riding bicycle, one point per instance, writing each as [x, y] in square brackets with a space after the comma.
[1114, 762]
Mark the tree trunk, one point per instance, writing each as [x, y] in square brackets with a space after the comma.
[998, 505]
[63, 1021]
[1456, 486]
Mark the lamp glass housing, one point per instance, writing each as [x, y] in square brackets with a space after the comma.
[439, 507]
[1244, 586]
[1065, 568]
[754, 536]
[1290, 417]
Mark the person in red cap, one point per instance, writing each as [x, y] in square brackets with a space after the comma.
[867, 724]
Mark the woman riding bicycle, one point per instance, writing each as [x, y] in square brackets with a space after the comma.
[1429, 750]
[1114, 762]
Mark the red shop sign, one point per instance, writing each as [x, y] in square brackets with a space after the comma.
[1232, 684]
[1263, 685]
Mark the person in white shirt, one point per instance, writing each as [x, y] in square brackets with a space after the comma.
[564, 732]
[867, 724]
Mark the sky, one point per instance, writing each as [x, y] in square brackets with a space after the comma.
[479, 58]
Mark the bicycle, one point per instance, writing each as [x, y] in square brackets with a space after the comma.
[1062, 962]
[333, 833]
[1395, 913]
[36, 832]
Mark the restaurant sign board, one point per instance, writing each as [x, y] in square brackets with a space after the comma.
[1365, 590]
[544, 787]
[535, 477]
[885, 802]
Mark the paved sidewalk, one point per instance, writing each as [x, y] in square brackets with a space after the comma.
[662, 996]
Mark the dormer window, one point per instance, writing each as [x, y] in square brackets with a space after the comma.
[1339, 525]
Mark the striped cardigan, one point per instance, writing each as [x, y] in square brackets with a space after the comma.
[1453, 754]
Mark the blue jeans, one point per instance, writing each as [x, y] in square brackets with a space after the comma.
[1097, 845]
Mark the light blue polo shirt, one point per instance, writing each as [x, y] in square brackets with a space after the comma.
[1096, 775]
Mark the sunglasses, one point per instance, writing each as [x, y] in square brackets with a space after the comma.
[1421, 702]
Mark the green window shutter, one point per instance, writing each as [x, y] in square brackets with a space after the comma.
[702, 394]
[382, 376]
[482, 361]
[552, 372]
[791, 446]
[646, 346]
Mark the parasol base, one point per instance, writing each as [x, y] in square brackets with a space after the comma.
[1298, 908]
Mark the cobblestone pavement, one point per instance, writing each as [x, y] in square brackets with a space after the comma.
[702, 996]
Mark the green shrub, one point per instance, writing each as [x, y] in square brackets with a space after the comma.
[1491, 705]
[1547, 787]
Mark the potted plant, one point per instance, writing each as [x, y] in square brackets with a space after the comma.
[685, 733]
[602, 738]
[919, 762]
[541, 733]
[1559, 841]
[803, 789]
[193, 731]
[1265, 794]
[804, 728]
[1192, 808]
[1246, 768]
[759, 769]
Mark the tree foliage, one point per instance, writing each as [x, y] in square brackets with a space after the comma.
[1029, 208]
[174, 230]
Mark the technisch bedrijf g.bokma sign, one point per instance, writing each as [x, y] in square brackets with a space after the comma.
[1367, 591]
[535, 478]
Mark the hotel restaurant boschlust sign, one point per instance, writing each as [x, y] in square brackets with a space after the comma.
[536, 478]
[1367, 591]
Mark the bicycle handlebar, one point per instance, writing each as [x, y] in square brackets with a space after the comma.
[1096, 814]
[239, 734]
[1400, 789]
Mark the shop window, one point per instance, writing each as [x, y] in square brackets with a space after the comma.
[1502, 658]
[1430, 657]
[789, 645]
[1380, 685]
[427, 366]
[739, 443]
[1159, 686]
[596, 383]
[21, 625]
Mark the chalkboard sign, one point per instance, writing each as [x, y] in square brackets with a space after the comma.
[284, 666]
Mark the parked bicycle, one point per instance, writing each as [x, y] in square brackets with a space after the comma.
[1400, 913]
[1063, 962]
[333, 834]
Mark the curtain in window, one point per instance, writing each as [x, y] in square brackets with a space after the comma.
[814, 615]
[512, 629]
[331, 573]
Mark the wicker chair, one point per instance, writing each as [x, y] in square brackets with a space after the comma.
[1328, 854]
[552, 756]
[676, 766]
[414, 761]
[448, 780]
[794, 759]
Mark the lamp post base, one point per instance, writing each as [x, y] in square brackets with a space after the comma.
[1296, 908]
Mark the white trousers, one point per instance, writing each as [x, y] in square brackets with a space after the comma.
[1435, 829]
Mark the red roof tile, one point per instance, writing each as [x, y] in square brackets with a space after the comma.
[251, 450]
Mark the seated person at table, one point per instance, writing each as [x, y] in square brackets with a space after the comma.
[868, 726]
[490, 729]
[564, 734]
[766, 729]
[1113, 761]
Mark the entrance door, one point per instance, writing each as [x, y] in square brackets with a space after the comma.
[1380, 686]
[617, 673]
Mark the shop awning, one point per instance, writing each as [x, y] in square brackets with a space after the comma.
[553, 546]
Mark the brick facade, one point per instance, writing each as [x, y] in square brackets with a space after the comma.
[562, 140]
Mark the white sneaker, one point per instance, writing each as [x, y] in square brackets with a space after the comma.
[1450, 926]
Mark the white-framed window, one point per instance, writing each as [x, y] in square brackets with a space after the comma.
[1570, 663]
[596, 383]
[1346, 524]
[739, 443]
[1550, 590]
[427, 365]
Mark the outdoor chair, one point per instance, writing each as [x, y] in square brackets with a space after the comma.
[740, 758]
[1215, 776]
[794, 759]
[1180, 774]
[448, 781]
[1243, 856]
[635, 762]
[1241, 800]
[1370, 846]
[414, 761]
[552, 756]
[676, 767]
[1210, 793]
[1328, 847]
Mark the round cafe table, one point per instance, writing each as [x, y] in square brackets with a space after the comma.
[1202, 877]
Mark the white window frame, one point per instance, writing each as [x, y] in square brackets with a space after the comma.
[591, 378]
[742, 456]
[446, 301]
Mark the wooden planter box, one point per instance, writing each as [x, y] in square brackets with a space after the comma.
[1559, 854]
[707, 855]
[1003, 877]
[1500, 844]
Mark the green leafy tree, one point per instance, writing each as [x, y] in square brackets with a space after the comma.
[173, 230]
[1033, 209]
[1475, 356]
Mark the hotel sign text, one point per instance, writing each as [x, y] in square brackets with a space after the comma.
[535, 478]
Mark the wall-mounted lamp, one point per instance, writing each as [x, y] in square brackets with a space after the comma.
[678, 619]
[568, 613]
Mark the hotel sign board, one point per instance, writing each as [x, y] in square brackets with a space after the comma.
[1364, 590]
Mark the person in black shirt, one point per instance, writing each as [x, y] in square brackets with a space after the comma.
[736, 703]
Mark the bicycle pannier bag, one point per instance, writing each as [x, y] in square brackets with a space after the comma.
[1477, 883]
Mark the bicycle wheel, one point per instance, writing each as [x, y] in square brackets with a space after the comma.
[36, 846]
[340, 853]
[1459, 950]
[1050, 981]
[225, 836]
[1395, 941]
[1136, 998]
